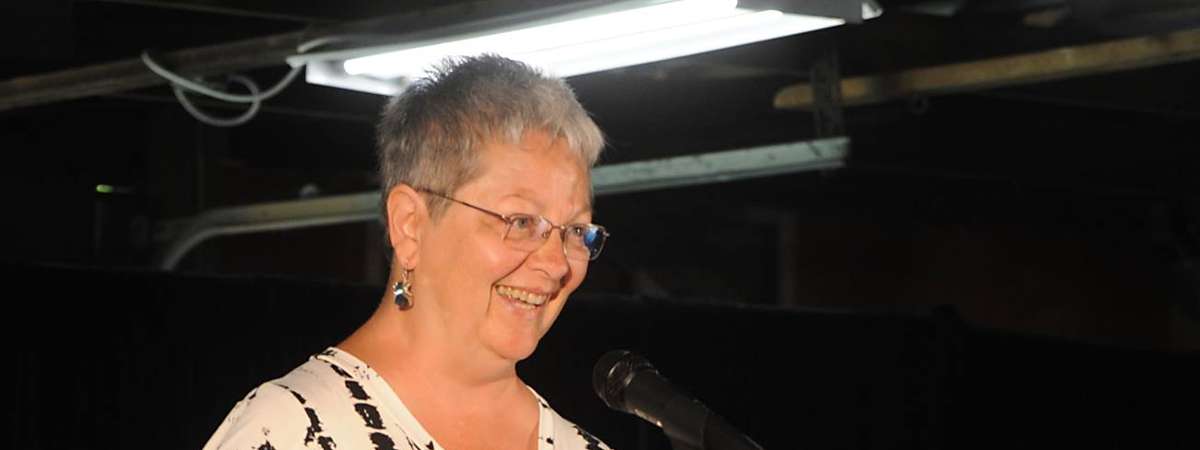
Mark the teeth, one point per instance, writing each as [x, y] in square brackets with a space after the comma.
[522, 296]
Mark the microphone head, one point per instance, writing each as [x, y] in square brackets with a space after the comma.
[613, 373]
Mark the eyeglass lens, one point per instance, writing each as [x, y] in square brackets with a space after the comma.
[580, 241]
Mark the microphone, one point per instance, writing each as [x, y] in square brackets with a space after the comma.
[628, 383]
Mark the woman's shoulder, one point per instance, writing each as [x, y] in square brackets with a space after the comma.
[570, 437]
[306, 408]
[271, 416]
[564, 434]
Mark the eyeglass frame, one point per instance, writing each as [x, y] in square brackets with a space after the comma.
[508, 221]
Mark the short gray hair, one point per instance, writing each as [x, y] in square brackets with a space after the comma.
[430, 135]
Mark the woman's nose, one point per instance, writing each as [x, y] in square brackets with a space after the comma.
[551, 256]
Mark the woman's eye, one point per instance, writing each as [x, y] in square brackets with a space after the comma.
[576, 230]
[522, 222]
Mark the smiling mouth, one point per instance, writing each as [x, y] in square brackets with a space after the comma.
[521, 297]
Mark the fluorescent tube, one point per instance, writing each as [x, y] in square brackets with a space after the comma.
[606, 41]
[569, 45]
[743, 28]
[412, 60]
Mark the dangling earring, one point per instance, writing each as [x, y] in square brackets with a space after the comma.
[403, 290]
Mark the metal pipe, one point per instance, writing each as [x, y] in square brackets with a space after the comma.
[181, 236]
[1049, 65]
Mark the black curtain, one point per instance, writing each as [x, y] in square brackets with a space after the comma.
[138, 359]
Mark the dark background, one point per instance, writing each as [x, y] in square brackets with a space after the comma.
[154, 360]
[1031, 249]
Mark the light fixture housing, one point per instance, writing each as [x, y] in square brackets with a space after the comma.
[574, 40]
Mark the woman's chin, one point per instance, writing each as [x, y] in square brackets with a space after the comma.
[518, 327]
[515, 351]
[513, 344]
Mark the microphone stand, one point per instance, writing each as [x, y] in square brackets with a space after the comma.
[680, 445]
[715, 433]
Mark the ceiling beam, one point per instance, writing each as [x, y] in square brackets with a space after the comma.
[1056, 64]
[250, 54]
[245, 9]
[130, 74]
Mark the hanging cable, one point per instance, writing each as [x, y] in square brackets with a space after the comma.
[222, 121]
[193, 86]
[182, 85]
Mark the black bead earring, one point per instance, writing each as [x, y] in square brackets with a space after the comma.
[403, 291]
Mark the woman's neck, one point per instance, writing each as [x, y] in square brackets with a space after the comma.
[406, 348]
[457, 399]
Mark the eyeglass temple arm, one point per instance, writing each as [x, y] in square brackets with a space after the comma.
[490, 213]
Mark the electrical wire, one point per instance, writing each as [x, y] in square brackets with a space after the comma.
[193, 86]
[304, 47]
[222, 121]
[181, 85]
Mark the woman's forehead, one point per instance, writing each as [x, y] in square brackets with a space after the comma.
[531, 198]
[545, 175]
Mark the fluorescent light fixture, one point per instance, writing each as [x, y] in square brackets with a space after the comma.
[616, 35]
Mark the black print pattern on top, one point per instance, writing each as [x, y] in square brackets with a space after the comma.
[382, 441]
[336, 402]
[314, 422]
[370, 415]
[592, 442]
[356, 390]
[314, 426]
[339, 371]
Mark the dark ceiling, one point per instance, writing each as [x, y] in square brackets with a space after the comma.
[706, 102]
[1109, 148]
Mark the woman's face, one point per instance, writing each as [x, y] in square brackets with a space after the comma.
[478, 280]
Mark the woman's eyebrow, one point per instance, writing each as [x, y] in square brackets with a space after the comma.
[524, 195]
[587, 210]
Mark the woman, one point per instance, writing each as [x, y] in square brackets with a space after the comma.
[485, 166]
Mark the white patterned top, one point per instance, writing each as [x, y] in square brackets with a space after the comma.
[335, 401]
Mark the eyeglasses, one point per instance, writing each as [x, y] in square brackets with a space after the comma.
[527, 232]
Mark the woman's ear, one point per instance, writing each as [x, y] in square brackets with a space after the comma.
[407, 216]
